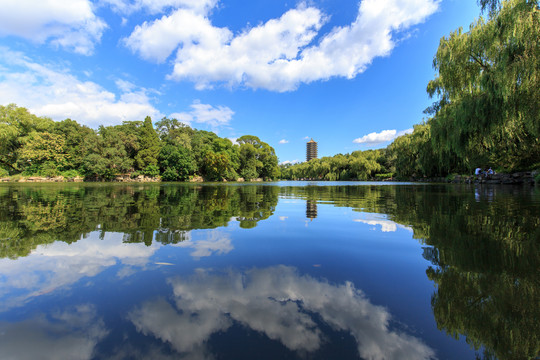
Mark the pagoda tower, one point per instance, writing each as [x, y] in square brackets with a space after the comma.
[311, 150]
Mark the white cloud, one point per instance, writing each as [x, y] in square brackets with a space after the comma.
[159, 6]
[52, 92]
[277, 302]
[382, 137]
[283, 141]
[296, 161]
[68, 24]
[205, 114]
[280, 54]
[376, 138]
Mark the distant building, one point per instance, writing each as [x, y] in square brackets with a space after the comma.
[311, 150]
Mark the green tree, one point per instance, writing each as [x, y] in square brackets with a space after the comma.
[73, 134]
[39, 149]
[174, 132]
[16, 123]
[257, 158]
[488, 89]
[177, 162]
[149, 145]
[107, 155]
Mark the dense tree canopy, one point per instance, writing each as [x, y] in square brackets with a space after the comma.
[31, 145]
[359, 165]
[488, 90]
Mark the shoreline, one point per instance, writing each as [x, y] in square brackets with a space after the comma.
[518, 178]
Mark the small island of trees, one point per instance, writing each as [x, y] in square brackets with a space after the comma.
[38, 146]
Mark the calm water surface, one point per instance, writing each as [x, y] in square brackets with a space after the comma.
[274, 271]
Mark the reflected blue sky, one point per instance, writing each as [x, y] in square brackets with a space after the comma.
[315, 278]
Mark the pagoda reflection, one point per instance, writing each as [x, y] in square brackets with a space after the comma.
[311, 209]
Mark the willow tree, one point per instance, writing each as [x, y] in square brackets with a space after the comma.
[488, 89]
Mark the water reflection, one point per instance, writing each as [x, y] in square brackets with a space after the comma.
[483, 245]
[311, 209]
[216, 243]
[62, 335]
[60, 265]
[278, 302]
[377, 220]
[30, 216]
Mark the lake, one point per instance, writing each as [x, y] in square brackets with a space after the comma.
[287, 270]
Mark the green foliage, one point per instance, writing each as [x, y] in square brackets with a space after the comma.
[384, 176]
[41, 152]
[107, 155]
[3, 173]
[149, 145]
[39, 146]
[179, 160]
[73, 135]
[359, 165]
[70, 174]
[151, 171]
[16, 123]
[489, 89]
[49, 169]
[170, 174]
[257, 158]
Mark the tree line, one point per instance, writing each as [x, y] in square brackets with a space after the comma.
[33, 145]
[486, 111]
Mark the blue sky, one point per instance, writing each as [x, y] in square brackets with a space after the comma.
[350, 74]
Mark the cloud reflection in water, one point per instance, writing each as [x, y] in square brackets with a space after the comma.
[277, 302]
[67, 335]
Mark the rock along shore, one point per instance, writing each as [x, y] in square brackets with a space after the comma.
[120, 178]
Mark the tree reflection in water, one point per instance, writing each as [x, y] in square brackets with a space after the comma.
[483, 243]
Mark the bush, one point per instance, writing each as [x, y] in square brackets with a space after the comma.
[49, 169]
[3, 173]
[170, 175]
[151, 171]
[70, 174]
[384, 176]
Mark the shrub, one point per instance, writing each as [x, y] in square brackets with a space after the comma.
[384, 176]
[151, 171]
[70, 174]
[170, 175]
